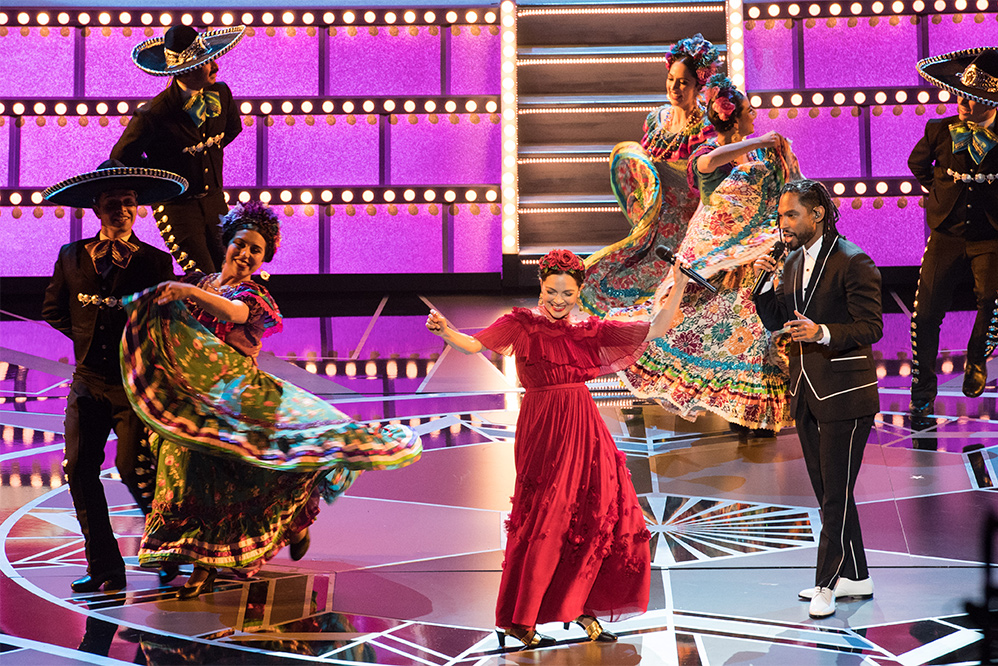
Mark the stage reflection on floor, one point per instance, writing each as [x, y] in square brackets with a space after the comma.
[404, 569]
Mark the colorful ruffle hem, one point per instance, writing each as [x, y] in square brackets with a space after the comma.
[243, 457]
[718, 356]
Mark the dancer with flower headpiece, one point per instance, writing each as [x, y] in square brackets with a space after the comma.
[243, 457]
[577, 546]
[719, 357]
[649, 181]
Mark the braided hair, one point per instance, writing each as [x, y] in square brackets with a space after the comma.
[811, 194]
[561, 262]
[256, 216]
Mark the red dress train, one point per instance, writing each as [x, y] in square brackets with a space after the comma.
[576, 536]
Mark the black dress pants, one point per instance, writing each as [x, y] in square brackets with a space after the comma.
[194, 226]
[96, 405]
[833, 452]
[944, 264]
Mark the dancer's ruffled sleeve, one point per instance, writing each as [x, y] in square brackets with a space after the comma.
[506, 334]
[620, 343]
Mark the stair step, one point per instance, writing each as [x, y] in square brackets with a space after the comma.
[634, 24]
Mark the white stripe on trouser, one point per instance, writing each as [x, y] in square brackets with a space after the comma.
[845, 512]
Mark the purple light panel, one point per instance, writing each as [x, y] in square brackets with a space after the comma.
[30, 336]
[31, 244]
[385, 243]
[299, 337]
[342, 154]
[390, 335]
[945, 35]
[477, 240]
[4, 150]
[769, 56]
[383, 64]
[448, 153]
[299, 251]
[21, 58]
[110, 71]
[826, 147]
[273, 62]
[892, 137]
[892, 236]
[52, 153]
[239, 166]
[862, 56]
[475, 61]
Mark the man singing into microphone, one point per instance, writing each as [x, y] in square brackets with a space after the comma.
[829, 302]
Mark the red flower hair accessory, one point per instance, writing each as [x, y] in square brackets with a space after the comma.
[723, 107]
[559, 261]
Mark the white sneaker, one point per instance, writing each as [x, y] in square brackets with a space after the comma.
[823, 603]
[845, 587]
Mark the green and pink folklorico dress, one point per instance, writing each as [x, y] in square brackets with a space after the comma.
[243, 457]
[719, 357]
[649, 181]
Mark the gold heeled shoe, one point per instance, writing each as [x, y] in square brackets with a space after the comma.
[530, 639]
[207, 584]
[594, 629]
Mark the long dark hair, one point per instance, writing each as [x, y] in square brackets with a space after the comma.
[811, 193]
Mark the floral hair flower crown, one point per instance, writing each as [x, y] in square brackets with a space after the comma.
[716, 94]
[560, 261]
[702, 52]
[257, 216]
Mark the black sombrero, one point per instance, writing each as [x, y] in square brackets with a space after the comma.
[150, 185]
[183, 48]
[971, 73]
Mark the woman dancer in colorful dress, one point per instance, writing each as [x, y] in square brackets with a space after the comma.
[649, 181]
[243, 457]
[719, 357]
[577, 546]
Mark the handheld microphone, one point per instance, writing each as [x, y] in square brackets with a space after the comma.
[665, 254]
[764, 277]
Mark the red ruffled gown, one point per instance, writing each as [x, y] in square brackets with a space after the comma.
[576, 536]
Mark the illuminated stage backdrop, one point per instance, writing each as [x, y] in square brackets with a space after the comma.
[376, 134]
[839, 80]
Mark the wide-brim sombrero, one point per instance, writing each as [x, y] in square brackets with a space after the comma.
[150, 185]
[971, 73]
[151, 55]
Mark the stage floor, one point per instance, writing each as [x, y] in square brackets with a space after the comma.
[404, 569]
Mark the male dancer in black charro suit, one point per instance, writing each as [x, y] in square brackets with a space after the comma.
[83, 301]
[956, 162]
[829, 301]
[185, 130]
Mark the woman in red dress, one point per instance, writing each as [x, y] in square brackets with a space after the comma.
[577, 545]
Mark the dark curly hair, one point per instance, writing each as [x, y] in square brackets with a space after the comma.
[256, 216]
[719, 94]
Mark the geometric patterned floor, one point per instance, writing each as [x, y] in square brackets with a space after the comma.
[404, 568]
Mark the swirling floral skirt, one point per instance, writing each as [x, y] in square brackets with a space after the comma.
[243, 457]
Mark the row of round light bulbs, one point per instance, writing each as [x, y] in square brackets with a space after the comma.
[228, 18]
[880, 187]
[266, 108]
[369, 106]
[325, 196]
[836, 9]
[510, 147]
[859, 97]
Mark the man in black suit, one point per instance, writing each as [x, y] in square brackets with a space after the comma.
[184, 130]
[829, 302]
[956, 163]
[83, 301]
